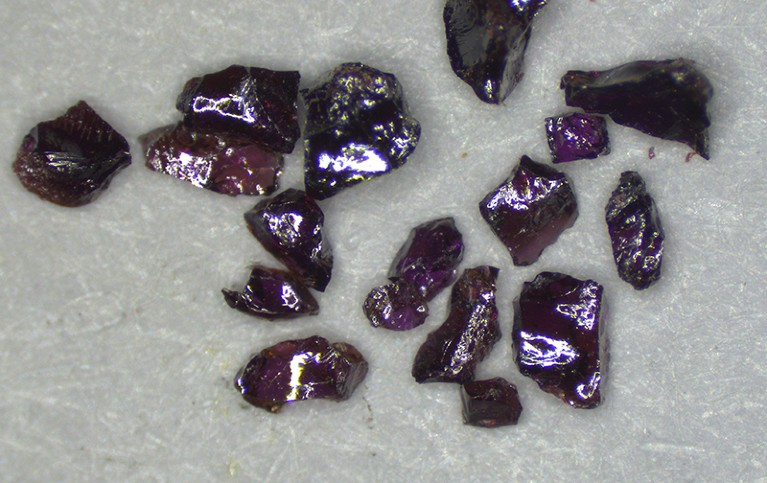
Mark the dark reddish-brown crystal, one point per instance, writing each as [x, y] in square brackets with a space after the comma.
[396, 306]
[486, 42]
[71, 160]
[559, 337]
[297, 370]
[253, 102]
[530, 209]
[222, 162]
[635, 231]
[490, 403]
[667, 99]
[272, 294]
[577, 136]
[290, 227]
[452, 352]
[357, 128]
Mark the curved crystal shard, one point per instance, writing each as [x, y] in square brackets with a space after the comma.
[272, 294]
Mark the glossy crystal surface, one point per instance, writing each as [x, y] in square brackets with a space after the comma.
[452, 352]
[530, 209]
[490, 403]
[357, 128]
[635, 232]
[577, 136]
[667, 99]
[396, 306]
[559, 338]
[272, 294]
[71, 160]
[297, 370]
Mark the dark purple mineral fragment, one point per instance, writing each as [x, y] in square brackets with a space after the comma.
[635, 232]
[530, 209]
[71, 160]
[486, 42]
[559, 338]
[451, 353]
[490, 403]
[272, 294]
[253, 102]
[667, 99]
[577, 136]
[396, 306]
[357, 128]
[297, 370]
[289, 226]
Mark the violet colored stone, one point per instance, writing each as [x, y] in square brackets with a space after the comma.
[272, 294]
[667, 99]
[490, 403]
[357, 128]
[429, 257]
[297, 370]
[222, 162]
[396, 306]
[486, 42]
[254, 102]
[635, 232]
[290, 227]
[530, 209]
[577, 136]
[71, 160]
[559, 337]
[452, 352]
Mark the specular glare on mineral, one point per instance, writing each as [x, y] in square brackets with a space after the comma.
[71, 160]
[490, 403]
[429, 257]
[396, 306]
[667, 99]
[272, 294]
[290, 227]
[559, 338]
[486, 42]
[577, 136]
[530, 209]
[357, 128]
[297, 370]
[635, 232]
[222, 162]
[253, 102]
[452, 352]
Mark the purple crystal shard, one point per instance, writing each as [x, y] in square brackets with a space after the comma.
[272, 294]
[429, 257]
[396, 306]
[257, 103]
[559, 338]
[667, 99]
[222, 162]
[71, 160]
[289, 226]
[357, 128]
[486, 42]
[297, 370]
[635, 232]
[530, 209]
[490, 403]
[577, 136]
[451, 353]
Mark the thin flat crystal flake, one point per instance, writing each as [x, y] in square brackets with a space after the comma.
[577, 136]
[71, 160]
[396, 306]
[490, 403]
[298, 370]
[272, 294]
[635, 232]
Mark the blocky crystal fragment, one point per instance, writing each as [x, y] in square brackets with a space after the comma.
[577, 136]
[490, 403]
[559, 338]
[290, 227]
[452, 352]
[635, 231]
[396, 306]
[357, 128]
[667, 99]
[530, 209]
[297, 370]
[71, 160]
[486, 42]
[272, 294]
